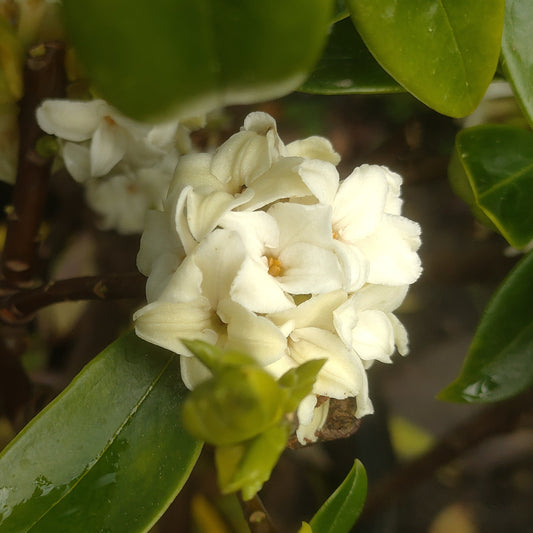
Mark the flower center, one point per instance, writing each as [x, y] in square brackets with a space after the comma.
[274, 266]
[110, 121]
[335, 235]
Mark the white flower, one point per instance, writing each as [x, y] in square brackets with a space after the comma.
[366, 324]
[196, 305]
[98, 137]
[260, 247]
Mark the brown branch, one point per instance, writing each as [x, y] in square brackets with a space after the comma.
[499, 418]
[257, 516]
[21, 306]
[43, 78]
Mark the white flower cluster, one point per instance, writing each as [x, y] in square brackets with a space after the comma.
[260, 247]
[126, 166]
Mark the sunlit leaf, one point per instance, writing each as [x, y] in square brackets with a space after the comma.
[341, 510]
[517, 51]
[347, 67]
[109, 454]
[492, 170]
[500, 360]
[151, 57]
[443, 51]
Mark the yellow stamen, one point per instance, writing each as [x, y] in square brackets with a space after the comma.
[335, 235]
[110, 121]
[274, 266]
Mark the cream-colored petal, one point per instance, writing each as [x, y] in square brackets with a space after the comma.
[303, 224]
[400, 335]
[373, 336]
[316, 312]
[354, 265]
[314, 148]
[342, 375]
[258, 231]
[219, 256]
[165, 323]
[193, 372]
[309, 269]
[77, 159]
[359, 204]
[280, 181]
[256, 290]
[252, 334]
[185, 284]
[162, 270]
[317, 417]
[321, 178]
[71, 120]
[107, 148]
[391, 252]
[158, 238]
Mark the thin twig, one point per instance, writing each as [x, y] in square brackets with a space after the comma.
[499, 418]
[257, 516]
[43, 78]
[22, 305]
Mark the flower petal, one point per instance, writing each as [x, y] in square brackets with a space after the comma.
[256, 290]
[71, 120]
[321, 178]
[252, 334]
[107, 148]
[314, 148]
[165, 323]
[391, 251]
[77, 159]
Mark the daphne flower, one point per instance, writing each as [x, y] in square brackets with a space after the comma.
[260, 247]
[196, 305]
[97, 136]
[289, 247]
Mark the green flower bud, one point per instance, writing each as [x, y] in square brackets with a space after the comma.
[298, 382]
[246, 466]
[233, 406]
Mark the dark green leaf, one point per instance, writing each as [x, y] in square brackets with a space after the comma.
[341, 510]
[492, 170]
[517, 51]
[151, 57]
[500, 360]
[443, 51]
[109, 454]
[347, 67]
[340, 11]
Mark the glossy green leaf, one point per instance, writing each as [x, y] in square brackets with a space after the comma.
[151, 57]
[500, 360]
[492, 170]
[340, 11]
[341, 510]
[444, 52]
[109, 454]
[347, 67]
[517, 51]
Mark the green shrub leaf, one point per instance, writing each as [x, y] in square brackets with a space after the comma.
[151, 57]
[443, 51]
[492, 170]
[347, 67]
[109, 454]
[341, 510]
[500, 360]
[517, 51]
